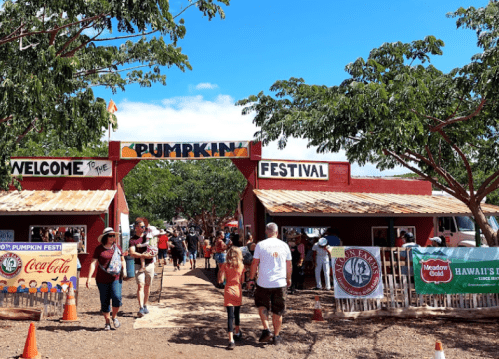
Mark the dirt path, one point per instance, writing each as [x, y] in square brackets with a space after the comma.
[189, 322]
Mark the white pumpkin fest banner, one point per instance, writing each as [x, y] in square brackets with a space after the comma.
[29, 267]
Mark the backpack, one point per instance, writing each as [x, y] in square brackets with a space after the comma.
[114, 266]
[247, 256]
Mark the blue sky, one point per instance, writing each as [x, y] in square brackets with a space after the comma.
[260, 42]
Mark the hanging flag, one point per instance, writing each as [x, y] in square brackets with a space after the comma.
[112, 107]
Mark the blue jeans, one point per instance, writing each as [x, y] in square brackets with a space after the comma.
[220, 258]
[109, 292]
[193, 255]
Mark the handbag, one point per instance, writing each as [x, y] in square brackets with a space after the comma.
[114, 266]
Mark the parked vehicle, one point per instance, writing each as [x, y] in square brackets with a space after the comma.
[460, 231]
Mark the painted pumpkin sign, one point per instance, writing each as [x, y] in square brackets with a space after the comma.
[190, 151]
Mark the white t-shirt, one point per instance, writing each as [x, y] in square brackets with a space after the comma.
[273, 254]
[322, 253]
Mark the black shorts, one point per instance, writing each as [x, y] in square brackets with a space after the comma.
[162, 253]
[273, 299]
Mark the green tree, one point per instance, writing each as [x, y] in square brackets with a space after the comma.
[205, 192]
[396, 108]
[208, 192]
[150, 190]
[52, 53]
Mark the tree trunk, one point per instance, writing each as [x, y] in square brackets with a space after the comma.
[481, 221]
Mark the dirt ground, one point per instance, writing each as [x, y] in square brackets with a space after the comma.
[361, 339]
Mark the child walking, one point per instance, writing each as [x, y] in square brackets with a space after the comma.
[207, 253]
[233, 271]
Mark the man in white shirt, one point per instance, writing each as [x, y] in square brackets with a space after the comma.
[321, 262]
[272, 258]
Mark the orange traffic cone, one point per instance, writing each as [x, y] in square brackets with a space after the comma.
[439, 351]
[317, 311]
[30, 351]
[69, 314]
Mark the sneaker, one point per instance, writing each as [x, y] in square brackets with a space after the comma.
[238, 336]
[141, 313]
[107, 326]
[175, 269]
[265, 337]
[277, 340]
[116, 323]
[231, 346]
[146, 311]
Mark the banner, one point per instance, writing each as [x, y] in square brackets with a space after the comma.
[456, 270]
[358, 273]
[37, 267]
[293, 170]
[61, 168]
[184, 151]
[125, 232]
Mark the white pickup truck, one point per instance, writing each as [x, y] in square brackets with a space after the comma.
[460, 231]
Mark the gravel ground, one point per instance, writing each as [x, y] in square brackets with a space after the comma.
[361, 339]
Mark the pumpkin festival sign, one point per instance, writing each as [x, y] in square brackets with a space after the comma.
[184, 151]
[37, 267]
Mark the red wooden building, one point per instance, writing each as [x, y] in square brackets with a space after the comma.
[85, 195]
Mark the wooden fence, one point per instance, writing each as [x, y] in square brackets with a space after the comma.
[52, 304]
[400, 297]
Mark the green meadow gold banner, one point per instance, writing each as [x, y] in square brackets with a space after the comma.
[184, 151]
[456, 270]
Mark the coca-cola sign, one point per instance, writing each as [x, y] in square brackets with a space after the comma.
[56, 266]
[436, 271]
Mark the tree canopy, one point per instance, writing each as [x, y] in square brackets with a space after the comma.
[205, 192]
[396, 108]
[53, 53]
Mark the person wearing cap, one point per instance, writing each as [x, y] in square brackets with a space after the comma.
[438, 242]
[321, 263]
[109, 285]
[192, 247]
[410, 241]
[162, 247]
[143, 279]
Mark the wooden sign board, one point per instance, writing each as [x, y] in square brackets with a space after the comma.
[184, 151]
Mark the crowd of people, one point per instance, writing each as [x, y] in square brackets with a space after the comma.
[272, 267]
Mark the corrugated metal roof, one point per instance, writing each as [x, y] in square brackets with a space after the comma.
[49, 202]
[286, 203]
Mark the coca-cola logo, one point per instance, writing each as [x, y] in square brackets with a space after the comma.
[57, 265]
[436, 271]
[10, 265]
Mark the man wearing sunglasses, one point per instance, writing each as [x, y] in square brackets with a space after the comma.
[144, 278]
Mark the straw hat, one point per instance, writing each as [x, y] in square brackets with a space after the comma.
[162, 231]
[107, 230]
[169, 230]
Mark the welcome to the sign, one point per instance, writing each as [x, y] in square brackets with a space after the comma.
[293, 170]
[173, 150]
[57, 168]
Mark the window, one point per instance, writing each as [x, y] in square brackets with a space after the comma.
[55, 233]
[289, 233]
[379, 235]
[446, 224]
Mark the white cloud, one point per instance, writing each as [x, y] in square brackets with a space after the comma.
[206, 86]
[195, 119]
